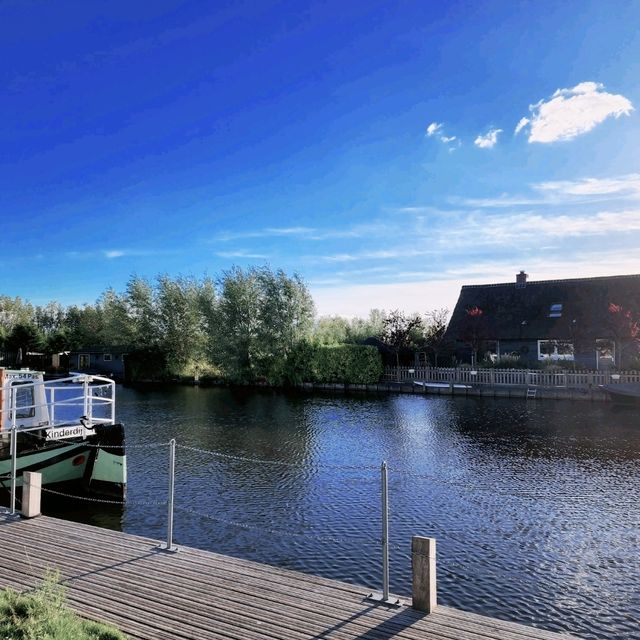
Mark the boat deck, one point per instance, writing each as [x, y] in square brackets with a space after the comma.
[153, 595]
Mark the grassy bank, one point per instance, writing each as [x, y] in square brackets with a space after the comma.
[42, 614]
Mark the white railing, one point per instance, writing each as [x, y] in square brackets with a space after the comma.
[522, 377]
[64, 401]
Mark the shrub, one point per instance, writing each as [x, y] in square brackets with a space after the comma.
[344, 363]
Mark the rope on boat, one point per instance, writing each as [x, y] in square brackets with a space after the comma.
[278, 532]
[281, 463]
[104, 501]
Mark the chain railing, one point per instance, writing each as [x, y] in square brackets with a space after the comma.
[384, 543]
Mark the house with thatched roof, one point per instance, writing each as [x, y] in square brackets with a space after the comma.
[594, 322]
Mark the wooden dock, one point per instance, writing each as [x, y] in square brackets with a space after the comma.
[198, 595]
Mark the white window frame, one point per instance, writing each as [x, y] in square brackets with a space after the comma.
[565, 357]
[106, 357]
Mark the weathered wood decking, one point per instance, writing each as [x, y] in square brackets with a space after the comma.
[193, 594]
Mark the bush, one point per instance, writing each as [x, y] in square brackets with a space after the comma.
[348, 363]
[42, 615]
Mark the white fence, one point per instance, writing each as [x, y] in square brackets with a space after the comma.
[523, 377]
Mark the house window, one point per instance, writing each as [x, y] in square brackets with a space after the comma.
[83, 361]
[605, 352]
[492, 350]
[106, 357]
[555, 311]
[555, 350]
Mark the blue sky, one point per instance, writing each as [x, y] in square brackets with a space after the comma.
[370, 146]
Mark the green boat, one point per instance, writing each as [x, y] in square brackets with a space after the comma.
[64, 429]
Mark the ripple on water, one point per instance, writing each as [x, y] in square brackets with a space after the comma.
[534, 505]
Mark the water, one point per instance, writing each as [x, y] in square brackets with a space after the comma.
[534, 504]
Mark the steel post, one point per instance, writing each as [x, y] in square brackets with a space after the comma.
[170, 497]
[384, 596]
[385, 531]
[14, 465]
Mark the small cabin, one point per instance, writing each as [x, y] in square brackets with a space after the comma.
[101, 360]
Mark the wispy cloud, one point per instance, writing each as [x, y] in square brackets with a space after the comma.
[436, 129]
[572, 112]
[627, 185]
[242, 254]
[265, 233]
[114, 253]
[489, 140]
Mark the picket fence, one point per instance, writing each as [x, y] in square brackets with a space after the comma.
[523, 377]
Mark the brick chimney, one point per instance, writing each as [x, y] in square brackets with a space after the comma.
[521, 280]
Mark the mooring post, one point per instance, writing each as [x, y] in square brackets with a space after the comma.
[31, 493]
[172, 478]
[423, 567]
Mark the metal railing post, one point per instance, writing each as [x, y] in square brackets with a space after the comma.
[172, 478]
[384, 486]
[385, 530]
[85, 399]
[14, 465]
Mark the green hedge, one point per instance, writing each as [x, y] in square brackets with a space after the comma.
[344, 363]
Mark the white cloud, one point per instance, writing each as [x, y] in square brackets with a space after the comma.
[434, 128]
[113, 253]
[489, 140]
[521, 125]
[437, 129]
[572, 112]
[627, 185]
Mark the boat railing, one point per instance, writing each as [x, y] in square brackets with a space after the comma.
[89, 399]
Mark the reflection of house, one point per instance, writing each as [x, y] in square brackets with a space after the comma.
[591, 321]
[100, 360]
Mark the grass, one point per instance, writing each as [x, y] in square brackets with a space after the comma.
[42, 614]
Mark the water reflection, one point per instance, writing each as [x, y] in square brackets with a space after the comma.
[534, 504]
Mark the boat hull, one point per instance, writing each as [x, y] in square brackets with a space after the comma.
[95, 466]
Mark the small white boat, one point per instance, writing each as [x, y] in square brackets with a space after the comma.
[65, 429]
[441, 385]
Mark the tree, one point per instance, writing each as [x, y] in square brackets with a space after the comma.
[435, 330]
[261, 315]
[625, 326]
[474, 331]
[25, 337]
[141, 309]
[179, 321]
[400, 332]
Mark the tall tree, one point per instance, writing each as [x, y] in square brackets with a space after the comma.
[435, 330]
[400, 332]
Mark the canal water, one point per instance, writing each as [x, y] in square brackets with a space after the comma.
[535, 504]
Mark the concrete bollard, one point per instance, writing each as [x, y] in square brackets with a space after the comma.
[423, 566]
[31, 493]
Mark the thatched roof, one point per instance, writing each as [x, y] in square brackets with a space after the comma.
[511, 312]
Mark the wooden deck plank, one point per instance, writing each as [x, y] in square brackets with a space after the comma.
[125, 580]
